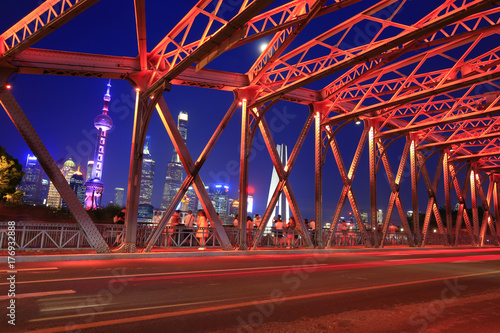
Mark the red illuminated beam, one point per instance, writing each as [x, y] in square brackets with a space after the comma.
[447, 143]
[474, 157]
[375, 52]
[38, 24]
[140, 22]
[222, 35]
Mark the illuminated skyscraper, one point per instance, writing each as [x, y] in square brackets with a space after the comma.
[282, 207]
[44, 193]
[31, 184]
[94, 185]
[67, 169]
[119, 196]
[219, 196]
[147, 174]
[175, 170]
[77, 185]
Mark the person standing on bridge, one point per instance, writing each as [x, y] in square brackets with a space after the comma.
[202, 232]
[279, 229]
[188, 226]
[343, 228]
[291, 226]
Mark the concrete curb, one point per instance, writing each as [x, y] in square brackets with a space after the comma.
[208, 253]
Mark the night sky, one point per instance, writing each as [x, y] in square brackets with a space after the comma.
[62, 110]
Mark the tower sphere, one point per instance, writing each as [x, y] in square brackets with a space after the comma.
[103, 121]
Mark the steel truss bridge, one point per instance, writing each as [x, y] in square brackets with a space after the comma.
[431, 81]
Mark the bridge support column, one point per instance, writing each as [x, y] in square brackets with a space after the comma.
[414, 190]
[372, 152]
[318, 181]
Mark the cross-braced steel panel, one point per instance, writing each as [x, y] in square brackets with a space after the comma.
[433, 80]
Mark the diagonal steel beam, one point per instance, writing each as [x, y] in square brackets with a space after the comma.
[461, 195]
[395, 198]
[229, 29]
[403, 38]
[39, 23]
[188, 181]
[255, 72]
[432, 206]
[192, 171]
[283, 173]
[347, 188]
[486, 222]
[23, 125]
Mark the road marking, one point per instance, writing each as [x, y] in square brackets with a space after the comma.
[40, 294]
[32, 269]
[128, 310]
[233, 306]
[170, 273]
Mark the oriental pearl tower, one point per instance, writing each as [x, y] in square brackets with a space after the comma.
[94, 184]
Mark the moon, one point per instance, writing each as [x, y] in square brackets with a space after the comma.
[262, 47]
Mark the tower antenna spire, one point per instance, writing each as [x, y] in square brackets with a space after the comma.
[94, 184]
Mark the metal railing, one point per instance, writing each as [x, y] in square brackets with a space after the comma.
[48, 236]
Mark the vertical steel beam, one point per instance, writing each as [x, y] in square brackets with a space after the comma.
[243, 184]
[414, 190]
[36, 145]
[475, 217]
[495, 204]
[134, 179]
[447, 199]
[318, 181]
[372, 147]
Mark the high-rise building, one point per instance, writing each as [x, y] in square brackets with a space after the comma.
[77, 185]
[175, 170]
[282, 208]
[219, 196]
[31, 184]
[119, 196]
[147, 174]
[90, 165]
[67, 169]
[94, 185]
[380, 216]
[44, 192]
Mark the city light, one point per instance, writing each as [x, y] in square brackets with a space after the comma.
[262, 47]
[8, 86]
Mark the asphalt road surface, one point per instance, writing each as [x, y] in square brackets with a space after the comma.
[437, 290]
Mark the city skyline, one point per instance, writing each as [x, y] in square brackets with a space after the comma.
[80, 97]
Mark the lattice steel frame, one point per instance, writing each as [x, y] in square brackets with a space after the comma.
[381, 81]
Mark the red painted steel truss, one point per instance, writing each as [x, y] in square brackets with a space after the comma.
[431, 80]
